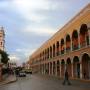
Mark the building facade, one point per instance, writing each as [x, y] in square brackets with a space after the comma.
[2, 42]
[69, 49]
[2, 39]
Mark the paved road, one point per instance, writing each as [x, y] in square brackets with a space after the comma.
[39, 82]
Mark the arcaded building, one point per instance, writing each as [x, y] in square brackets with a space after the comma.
[69, 49]
[2, 39]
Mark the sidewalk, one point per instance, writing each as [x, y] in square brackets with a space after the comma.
[10, 79]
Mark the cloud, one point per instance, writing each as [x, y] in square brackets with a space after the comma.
[14, 58]
[17, 59]
[26, 52]
[30, 9]
[43, 31]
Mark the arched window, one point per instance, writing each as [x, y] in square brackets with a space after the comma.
[68, 67]
[76, 67]
[53, 50]
[62, 67]
[68, 43]
[45, 54]
[75, 40]
[50, 52]
[57, 48]
[40, 56]
[54, 68]
[50, 68]
[62, 46]
[58, 68]
[84, 36]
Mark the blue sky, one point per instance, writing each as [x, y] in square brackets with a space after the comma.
[29, 23]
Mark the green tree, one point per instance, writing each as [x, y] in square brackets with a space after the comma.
[4, 57]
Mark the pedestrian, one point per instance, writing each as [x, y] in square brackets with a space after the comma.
[84, 74]
[66, 78]
[78, 74]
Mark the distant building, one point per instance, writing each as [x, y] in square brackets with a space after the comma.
[12, 64]
[27, 66]
[2, 39]
[68, 48]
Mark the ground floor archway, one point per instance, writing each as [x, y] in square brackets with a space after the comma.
[58, 68]
[76, 67]
[85, 66]
[54, 68]
[69, 67]
[62, 68]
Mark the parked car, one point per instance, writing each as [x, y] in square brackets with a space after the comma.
[22, 74]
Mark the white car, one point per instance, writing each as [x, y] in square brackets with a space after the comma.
[22, 74]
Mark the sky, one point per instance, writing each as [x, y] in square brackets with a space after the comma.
[29, 23]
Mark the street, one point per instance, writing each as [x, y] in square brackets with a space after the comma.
[41, 82]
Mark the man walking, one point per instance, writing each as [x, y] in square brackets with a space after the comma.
[66, 78]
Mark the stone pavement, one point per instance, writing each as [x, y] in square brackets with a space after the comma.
[9, 79]
[44, 82]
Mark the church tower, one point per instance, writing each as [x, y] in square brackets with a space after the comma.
[2, 39]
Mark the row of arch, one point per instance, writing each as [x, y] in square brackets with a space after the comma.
[76, 68]
[75, 41]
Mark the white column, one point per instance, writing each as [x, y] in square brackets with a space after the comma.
[79, 39]
[49, 53]
[55, 50]
[44, 68]
[60, 69]
[65, 66]
[52, 68]
[71, 44]
[56, 68]
[64, 46]
[60, 49]
[52, 51]
[49, 68]
[72, 67]
[89, 34]
[81, 71]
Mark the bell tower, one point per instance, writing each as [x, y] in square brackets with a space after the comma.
[2, 39]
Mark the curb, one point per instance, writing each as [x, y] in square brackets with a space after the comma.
[83, 80]
[7, 82]
[11, 81]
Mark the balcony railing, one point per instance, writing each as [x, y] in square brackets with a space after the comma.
[75, 47]
[67, 49]
[82, 44]
[87, 40]
[62, 51]
[57, 53]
